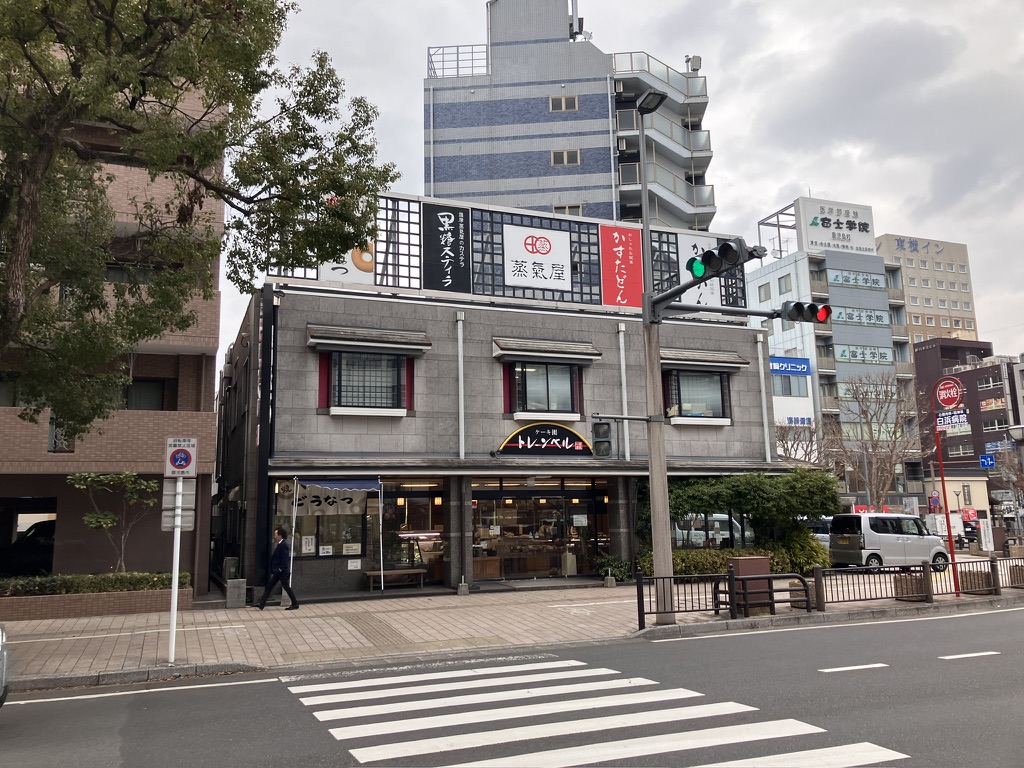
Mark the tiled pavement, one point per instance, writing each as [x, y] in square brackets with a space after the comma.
[116, 649]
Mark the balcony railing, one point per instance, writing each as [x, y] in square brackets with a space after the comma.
[457, 61]
[694, 194]
[691, 86]
[695, 141]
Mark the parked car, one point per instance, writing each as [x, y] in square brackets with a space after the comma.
[971, 530]
[3, 667]
[821, 530]
[875, 539]
[31, 554]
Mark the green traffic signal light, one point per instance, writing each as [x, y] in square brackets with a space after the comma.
[696, 267]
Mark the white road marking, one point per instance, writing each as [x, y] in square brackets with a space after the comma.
[451, 743]
[448, 674]
[419, 705]
[122, 634]
[653, 745]
[147, 690]
[845, 756]
[596, 602]
[971, 655]
[507, 713]
[843, 625]
[490, 682]
[854, 668]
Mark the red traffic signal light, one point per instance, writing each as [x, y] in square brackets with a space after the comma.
[799, 312]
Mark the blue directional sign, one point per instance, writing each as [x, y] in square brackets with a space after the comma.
[987, 461]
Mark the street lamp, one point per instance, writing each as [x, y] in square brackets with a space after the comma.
[657, 468]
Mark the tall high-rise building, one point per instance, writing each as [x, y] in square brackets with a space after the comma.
[540, 118]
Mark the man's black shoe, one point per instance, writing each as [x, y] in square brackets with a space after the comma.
[258, 606]
[292, 607]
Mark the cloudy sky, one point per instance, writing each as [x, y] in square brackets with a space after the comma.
[913, 108]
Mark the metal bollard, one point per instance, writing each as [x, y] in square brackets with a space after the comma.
[819, 588]
[929, 587]
[993, 564]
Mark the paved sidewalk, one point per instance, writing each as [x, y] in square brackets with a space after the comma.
[102, 650]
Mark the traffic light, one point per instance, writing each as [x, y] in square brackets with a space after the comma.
[602, 434]
[722, 258]
[799, 312]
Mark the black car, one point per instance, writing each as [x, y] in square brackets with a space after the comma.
[31, 554]
[970, 530]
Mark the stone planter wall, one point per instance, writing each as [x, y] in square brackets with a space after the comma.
[908, 586]
[91, 604]
[976, 581]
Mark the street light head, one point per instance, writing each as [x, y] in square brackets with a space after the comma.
[1016, 432]
[650, 100]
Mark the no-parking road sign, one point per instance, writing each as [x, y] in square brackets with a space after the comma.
[182, 456]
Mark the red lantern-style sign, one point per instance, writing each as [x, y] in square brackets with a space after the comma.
[949, 392]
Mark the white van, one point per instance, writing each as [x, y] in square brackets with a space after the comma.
[875, 539]
[691, 533]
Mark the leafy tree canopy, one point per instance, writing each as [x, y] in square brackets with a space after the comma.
[126, 126]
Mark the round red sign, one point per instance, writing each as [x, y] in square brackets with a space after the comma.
[949, 392]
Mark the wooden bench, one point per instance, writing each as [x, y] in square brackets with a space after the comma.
[395, 576]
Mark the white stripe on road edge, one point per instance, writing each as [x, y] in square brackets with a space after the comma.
[446, 675]
[972, 655]
[122, 634]
[544, 730]
[854, 669]
[420, 705]
[652, 745]
[846, 756]
[147, 690]
[507, 713]
[489, 682]
[837, 625]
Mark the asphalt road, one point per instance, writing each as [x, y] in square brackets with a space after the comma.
[943, 691]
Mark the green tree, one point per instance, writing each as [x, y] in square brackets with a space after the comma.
[184, 94]
[130, 498]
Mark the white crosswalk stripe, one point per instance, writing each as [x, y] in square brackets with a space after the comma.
[547, 715]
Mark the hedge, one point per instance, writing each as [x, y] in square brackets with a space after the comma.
[81, 583]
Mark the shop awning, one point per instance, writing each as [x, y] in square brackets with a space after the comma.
[331, 338]
[341, 484]
[506, 349]
[702, 359]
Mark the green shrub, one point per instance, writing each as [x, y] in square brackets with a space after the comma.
[610, 564]
[803, 551]
[81, 583]
[691, 562]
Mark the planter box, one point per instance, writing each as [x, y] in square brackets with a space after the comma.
[796, 594]
[909, 587]
[976, 581]
[91, 604]
[1016, 577]
[1016, 550]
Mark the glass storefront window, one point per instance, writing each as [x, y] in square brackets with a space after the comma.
[538, 527]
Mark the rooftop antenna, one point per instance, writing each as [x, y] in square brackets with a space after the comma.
[576, 23]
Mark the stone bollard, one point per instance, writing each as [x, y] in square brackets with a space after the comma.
[234, 595]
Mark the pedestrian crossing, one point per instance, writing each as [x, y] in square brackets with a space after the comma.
[558, 713]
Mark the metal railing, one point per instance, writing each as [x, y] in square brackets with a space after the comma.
[741, 594]
[717, 592]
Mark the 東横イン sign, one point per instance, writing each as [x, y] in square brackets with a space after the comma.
[949, 392]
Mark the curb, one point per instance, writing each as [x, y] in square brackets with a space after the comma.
[125, 677]
[815, 618]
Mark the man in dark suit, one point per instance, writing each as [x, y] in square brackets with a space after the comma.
[280, 570]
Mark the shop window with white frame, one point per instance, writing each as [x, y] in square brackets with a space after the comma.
[784, 385]
[995, 425]
[764, 292]
[561, 157]
[785, 284]
[364, 382]
[567, 210]
[697, 395]
[546, 388]
[966, 449]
